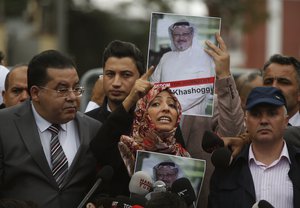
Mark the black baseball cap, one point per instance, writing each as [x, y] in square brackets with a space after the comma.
[265, 95]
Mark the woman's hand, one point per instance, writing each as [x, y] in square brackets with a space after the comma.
[140, 89]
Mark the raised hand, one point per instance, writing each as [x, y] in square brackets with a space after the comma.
[220, 56]
[140, 88]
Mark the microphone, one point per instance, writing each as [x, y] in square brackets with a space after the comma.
[184, 189]
[126, 202]
[105, 174]
[211, 142]
[158, 187]
[221, 158]
[262, 204]
[140, 183]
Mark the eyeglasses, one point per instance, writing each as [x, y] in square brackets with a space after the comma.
[65, 92]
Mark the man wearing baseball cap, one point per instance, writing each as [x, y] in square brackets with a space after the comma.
[267, 169]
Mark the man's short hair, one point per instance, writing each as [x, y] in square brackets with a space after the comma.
[122, 49]
[37, 67]
[284, 60]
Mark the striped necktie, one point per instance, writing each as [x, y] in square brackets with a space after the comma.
[58, 158]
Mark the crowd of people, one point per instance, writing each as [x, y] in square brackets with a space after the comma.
[50, 152]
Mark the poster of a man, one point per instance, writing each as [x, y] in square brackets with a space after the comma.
[176, 49]
[170, 168]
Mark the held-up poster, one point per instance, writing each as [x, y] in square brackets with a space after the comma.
[176, 50]
[175, 171]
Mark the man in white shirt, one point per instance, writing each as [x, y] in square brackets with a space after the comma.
[268, 168]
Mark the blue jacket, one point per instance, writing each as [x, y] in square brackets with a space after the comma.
[233, 187]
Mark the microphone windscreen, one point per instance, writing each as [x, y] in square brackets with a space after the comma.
[221, 158]
[262, 204]
[105, 173]
[211, 142]
[140, 183]
[184, 189]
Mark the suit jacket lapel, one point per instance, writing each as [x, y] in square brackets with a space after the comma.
[84, 145]
[26, 124]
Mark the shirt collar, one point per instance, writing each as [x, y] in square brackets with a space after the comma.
[108, 108]
[42, 123]
[284, 154]
[295, 120]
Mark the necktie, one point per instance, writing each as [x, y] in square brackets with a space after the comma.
[58, 158]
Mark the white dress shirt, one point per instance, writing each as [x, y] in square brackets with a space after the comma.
[295, 120]
[91, 106]
[68, 137]
[272, 182]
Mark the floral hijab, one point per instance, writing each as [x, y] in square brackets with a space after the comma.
[144, 134]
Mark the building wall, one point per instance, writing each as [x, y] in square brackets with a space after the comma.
[291, 28]
[256, 46]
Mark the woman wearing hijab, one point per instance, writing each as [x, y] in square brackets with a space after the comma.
[157, 115]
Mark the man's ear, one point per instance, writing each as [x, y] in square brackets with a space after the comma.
[3, 93]
[34, 93]
[90, 205]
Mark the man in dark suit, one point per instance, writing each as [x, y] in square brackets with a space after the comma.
[44, 154]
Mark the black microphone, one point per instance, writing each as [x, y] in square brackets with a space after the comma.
[140, 183]
[211, 142]
[262, 204]
[126, 202]
[184, 189]
[105, 174]
[221, 158]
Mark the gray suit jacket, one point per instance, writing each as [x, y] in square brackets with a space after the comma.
[24, 171]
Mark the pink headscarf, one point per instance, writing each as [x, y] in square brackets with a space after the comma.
[144, 134]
